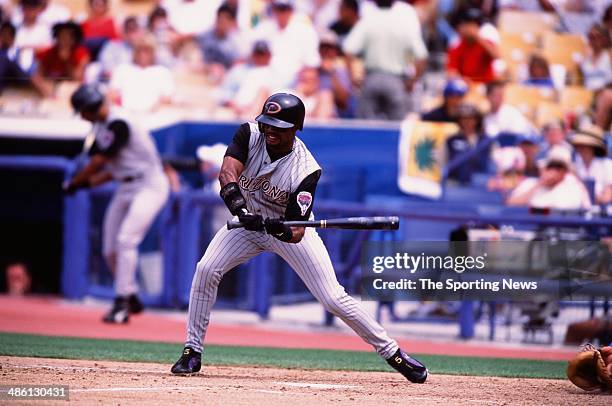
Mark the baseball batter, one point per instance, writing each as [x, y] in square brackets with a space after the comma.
[125, 152]
[268, 174]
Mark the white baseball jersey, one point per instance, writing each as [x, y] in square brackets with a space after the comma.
[135, 157]
[268, 185]
[143, 190]
[283, 187]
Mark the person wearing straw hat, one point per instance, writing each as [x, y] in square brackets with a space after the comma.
[591, 161]
[556, 187]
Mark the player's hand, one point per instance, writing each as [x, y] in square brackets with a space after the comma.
[278, 229]
[275, 226]
[68, 187]
[252, 222]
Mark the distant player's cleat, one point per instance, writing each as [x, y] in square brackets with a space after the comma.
[412, 369]
[135, 306]
[119, 314]
[189, 363]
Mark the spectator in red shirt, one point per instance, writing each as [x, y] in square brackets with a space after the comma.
[99, 27]
[472, 57]
[67, 58]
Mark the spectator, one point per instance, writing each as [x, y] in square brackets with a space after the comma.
[293, 41]
[67, 58]
[18, 279]
[319, 102]
[472, 57]
[246, 86]
[503, 117]
[596, 68]
[348, 15]
[529, 145]
[592, 163]
[469, 138]
[539, 72]
[389, 39]
[221, 45]
[334, 75]
[554, 134]
[454, 90]
[119, 52]
[99, 27]
[142, 85]
[191, 17]
[603, 109]
[51, 13]
[556, 187]
[32, 32]
[11, 72]
[167, 39]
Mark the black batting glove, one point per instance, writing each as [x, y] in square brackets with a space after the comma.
[251, 222]
[277, 229]
[69, 187]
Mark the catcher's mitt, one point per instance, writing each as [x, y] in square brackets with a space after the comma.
[591, 368]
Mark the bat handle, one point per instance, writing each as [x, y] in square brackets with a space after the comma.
[234, 224]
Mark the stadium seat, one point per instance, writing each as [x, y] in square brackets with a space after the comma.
[527, 98]
[515, 49]
[522, 21]
[564, 49]
[576, 98]
[547, 112]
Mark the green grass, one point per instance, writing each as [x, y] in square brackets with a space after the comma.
[123, 350]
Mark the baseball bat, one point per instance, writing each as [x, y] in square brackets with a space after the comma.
[351, 223]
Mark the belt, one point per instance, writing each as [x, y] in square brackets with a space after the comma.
[128, 179]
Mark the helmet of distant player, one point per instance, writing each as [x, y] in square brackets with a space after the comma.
[87, 98]
[283, 110]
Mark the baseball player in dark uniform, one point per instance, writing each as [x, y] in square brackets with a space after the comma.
[268, 174]
[125, 152]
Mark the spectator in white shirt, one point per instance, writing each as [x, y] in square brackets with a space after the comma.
[556, 188]
[554, 133]
[142, 86]
[389, 39]
[247, 85]
[51, 13]
[32, 33]
[293, 41]
[591, 161]
[191, 17]
[120, 52]
[596, 67]
[503, 117]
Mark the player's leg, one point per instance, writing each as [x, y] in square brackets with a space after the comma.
[311, 261]
[228, 249]
[145, 205]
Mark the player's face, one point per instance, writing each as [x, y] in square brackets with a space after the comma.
[279, 139]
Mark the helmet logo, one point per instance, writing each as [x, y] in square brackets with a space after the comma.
[272, 108]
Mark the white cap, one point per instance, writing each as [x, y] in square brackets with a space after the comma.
[212, 153]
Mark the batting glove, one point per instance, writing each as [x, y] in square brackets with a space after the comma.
[251, 222]
[278, 229]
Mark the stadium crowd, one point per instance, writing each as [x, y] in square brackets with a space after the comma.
[527, 82]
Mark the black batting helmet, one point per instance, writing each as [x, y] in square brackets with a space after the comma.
[86, 98]
[283, 110]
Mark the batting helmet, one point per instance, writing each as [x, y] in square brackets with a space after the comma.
[283, 110]
[86, 98]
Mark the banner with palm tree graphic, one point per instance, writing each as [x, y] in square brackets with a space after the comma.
[421, 152]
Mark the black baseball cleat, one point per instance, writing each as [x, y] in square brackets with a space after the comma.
[189, 363]
[412, 369]
[135, 306]
[119, 314]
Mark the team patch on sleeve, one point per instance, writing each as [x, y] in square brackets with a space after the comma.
[304, 200]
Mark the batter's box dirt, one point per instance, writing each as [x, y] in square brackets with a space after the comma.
[102, 382]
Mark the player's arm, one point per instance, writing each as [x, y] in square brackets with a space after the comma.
[92, 174]
[233, 164]
[298, 208]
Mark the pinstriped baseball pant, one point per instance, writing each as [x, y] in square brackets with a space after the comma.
[309, 258]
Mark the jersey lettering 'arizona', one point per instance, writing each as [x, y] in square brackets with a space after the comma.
[267, 185]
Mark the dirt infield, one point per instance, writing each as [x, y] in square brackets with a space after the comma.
[95, 382]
